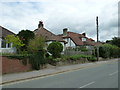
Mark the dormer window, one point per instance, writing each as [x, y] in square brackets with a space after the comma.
[83, 39]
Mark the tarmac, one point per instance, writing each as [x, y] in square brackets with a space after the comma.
[18, 77]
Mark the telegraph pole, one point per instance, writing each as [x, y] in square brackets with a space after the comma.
[97, 39]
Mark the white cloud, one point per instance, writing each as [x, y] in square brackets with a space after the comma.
[78, 15]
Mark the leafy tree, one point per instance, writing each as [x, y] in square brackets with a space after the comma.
[36, 48]
[108, 51]
[16, 42]
[25, 36]
[114, 41]
[36, 44]
[55, 49]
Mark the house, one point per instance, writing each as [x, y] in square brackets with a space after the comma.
[4, 47]
[49, 36]
[75, 40]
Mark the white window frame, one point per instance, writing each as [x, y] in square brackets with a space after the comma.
[83, 39]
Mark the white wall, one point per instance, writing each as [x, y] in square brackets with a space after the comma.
[6, 50]
[70, 43]
[90, 47]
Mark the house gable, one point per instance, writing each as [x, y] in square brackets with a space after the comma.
[78, 39]
[4, 32]
[49, 36]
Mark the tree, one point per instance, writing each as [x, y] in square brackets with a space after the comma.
[108, 51]
[36, 44]
[25, 36]
[55, 49]
[36, 48]
[16, 42]
[114, 41]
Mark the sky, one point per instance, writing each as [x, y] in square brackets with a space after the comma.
[77, 15]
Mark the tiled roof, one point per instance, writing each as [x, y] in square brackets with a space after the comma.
[4, 32]
[49, 36]
[77, 38]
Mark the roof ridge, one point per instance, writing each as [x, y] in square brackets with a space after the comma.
[6, 29]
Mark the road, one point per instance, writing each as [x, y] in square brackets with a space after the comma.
[98, 76]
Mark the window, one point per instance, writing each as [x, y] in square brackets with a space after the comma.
[83, 39]
[3, 44]
[9, 45]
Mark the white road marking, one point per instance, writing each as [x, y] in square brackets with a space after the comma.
[113, 73]
[87, 84]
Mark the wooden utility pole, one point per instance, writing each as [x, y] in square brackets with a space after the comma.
[97, 39]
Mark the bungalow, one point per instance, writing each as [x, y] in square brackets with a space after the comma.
[4, 47]
[75, 40]
[49, 36]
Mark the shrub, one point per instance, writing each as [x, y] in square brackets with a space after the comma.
[36, 48]
[37, 59]
[55, 49]
[108, 51]
[92, 58]
[77, 57]
[36, 44]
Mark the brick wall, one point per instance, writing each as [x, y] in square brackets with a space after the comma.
[13, 65]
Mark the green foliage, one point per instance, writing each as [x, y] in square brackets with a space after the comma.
[114, 41]
[76, 57]
[16, 42]
[37, 59]
[25, 36]
[55, 49]
[38, 43]
[36, 48]
[92, 58]
[57, 59]
[18, 56]
[108, 51]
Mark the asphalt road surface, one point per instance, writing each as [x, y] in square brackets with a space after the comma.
[98, 76]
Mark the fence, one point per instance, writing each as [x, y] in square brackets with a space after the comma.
[73, 52]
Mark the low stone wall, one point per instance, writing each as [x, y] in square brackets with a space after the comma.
[13, 65]
[71, 62]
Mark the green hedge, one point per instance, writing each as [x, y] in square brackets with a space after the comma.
[109, 51]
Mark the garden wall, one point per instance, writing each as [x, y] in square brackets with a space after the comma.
[13, 65]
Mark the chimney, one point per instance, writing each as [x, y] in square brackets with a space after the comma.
[40, 24]
[84, 34]
[65, 31]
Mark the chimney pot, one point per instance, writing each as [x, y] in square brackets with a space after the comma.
[65, 31]
[84, 34]
[40, 24]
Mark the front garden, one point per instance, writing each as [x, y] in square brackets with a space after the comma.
[36, 52]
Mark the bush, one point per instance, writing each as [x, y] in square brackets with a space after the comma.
[36, 44]
[55, 49]
[18, 56]
[37, 59]
[92, 58]
[36, 48]
[75, 57]
[108, 51]
[78, 57]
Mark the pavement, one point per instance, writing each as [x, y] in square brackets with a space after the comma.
[20, 77]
